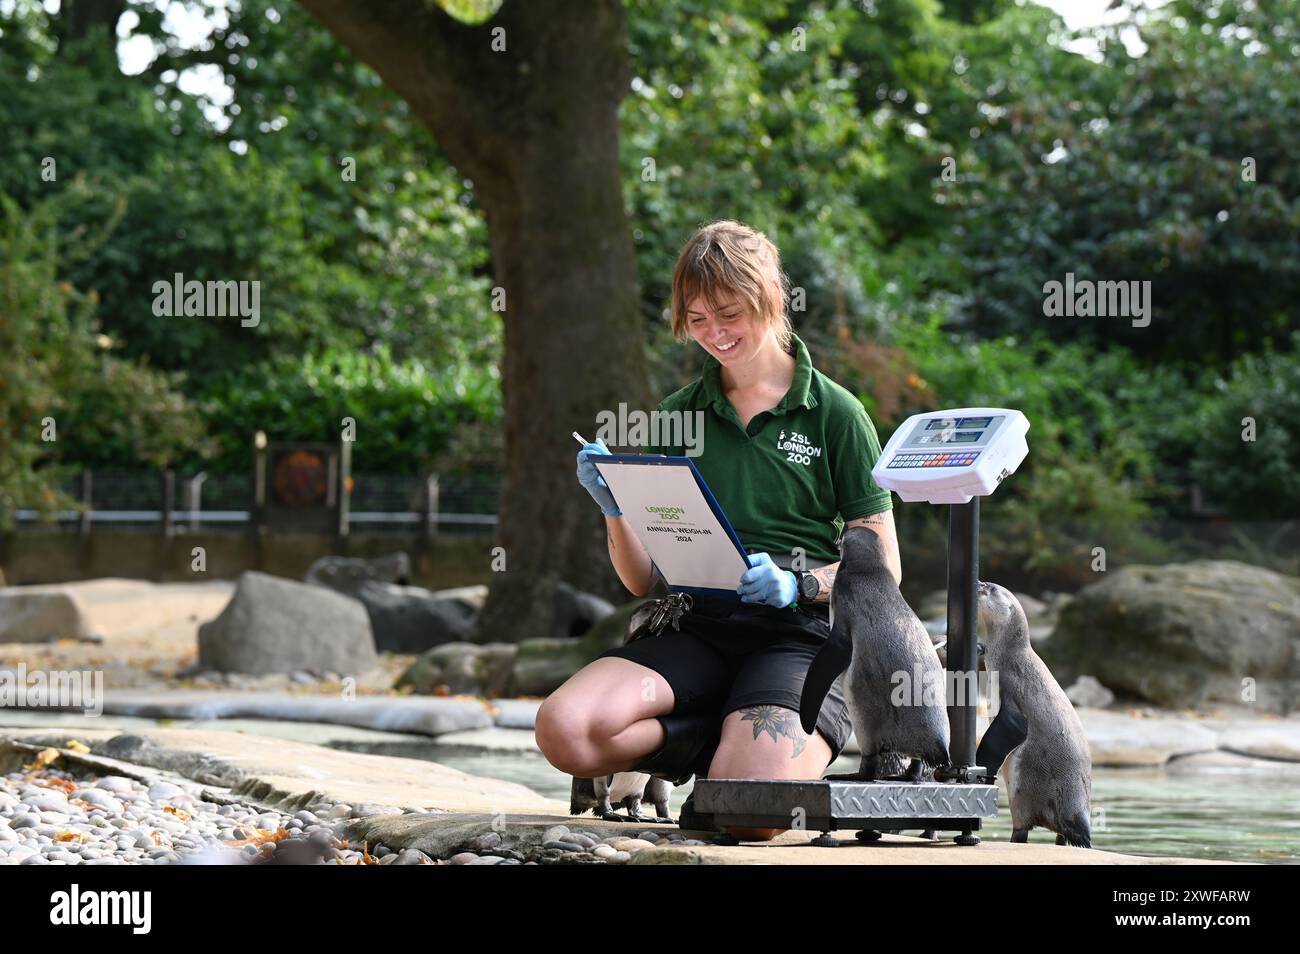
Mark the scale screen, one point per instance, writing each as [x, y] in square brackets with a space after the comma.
[951, 456]
[937, 431]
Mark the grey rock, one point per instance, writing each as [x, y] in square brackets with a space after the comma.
[564, 845]
[1184, 634]
[577, 612]
[38, 614]
[410, 619]
[347, 575]
[273, 625]
[462, 667]
[1087, 692]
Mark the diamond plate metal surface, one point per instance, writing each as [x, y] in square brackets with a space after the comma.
[845, 800]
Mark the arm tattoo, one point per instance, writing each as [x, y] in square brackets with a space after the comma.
[777, 721]
[826, 577]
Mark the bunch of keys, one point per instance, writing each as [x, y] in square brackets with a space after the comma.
[670, 609]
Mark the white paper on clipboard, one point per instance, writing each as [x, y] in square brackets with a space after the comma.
[674, 522]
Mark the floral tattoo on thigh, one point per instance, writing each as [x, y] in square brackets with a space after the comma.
[777, 721]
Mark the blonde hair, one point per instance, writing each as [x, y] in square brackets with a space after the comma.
[730, 257]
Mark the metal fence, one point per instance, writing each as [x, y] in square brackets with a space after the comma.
[201, 501]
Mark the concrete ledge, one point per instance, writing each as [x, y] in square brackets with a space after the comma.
[461, 808]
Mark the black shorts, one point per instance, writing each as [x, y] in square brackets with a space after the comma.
[729, 655]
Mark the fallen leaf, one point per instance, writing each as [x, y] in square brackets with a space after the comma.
[43, 758]
[261, 838]
[67, 836]
[76, 746]
[173, 810]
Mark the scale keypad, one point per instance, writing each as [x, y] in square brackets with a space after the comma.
[950, 459]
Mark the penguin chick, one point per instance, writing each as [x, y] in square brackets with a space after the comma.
[1035, 731]
[629, 789]
[876, 635]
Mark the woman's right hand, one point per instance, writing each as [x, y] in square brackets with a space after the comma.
[590, 478]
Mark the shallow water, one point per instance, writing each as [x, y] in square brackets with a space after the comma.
[1224, 814]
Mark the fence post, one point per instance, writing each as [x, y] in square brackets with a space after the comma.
[194, 498]
[430, 508]
[83, 524]
[258, 513]
[345, 479]
[168, 501]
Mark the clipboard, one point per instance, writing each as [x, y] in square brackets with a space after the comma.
[661, 541]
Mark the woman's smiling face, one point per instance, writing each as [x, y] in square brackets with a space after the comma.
[729, 332]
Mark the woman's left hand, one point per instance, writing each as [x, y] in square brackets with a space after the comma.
[765, 582]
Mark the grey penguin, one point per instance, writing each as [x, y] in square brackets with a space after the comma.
[874, 635]
[598, 795]
[1035, 731]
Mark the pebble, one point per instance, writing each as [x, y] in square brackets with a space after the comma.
[119, 820]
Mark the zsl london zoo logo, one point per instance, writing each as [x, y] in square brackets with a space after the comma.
[667, 513]
[797, 449]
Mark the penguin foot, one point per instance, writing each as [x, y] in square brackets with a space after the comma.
[613, 816]
[1020, 836]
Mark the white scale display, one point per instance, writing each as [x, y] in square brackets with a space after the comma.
[948, 457]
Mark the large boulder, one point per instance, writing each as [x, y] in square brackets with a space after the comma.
[38, 614]
[542, 665]
[577, 612]
[348, 574]
[275, 625]
[410, 619]
[1185, 634]
[462, 667]
[532, 667]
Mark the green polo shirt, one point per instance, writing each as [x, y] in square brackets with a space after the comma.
[798, 472]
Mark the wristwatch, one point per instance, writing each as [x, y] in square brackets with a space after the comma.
[807, 585]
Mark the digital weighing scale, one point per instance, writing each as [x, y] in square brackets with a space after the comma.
[943, 457]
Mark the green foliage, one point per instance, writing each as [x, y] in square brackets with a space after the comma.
[1097, 427]
[64, 400]
[313, 181]
[1174, 167]
[1250, 479]
[406, 414]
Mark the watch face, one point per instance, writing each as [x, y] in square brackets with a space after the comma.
[808, 586]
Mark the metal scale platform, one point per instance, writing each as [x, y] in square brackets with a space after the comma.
[945, 457]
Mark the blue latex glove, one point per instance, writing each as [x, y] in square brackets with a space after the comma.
[765, 582]
[590, 478]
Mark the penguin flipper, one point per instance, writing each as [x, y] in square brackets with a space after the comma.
[1008, 730]
[1076, 831]
[831, 660]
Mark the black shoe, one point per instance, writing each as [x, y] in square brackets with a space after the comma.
[688, 741]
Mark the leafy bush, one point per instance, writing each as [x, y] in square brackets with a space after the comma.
[405, 413]
[64, 400]
[1097, 434]
[1257, 479]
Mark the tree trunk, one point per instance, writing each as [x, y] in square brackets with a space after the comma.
[535, 127]
[80, 17]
